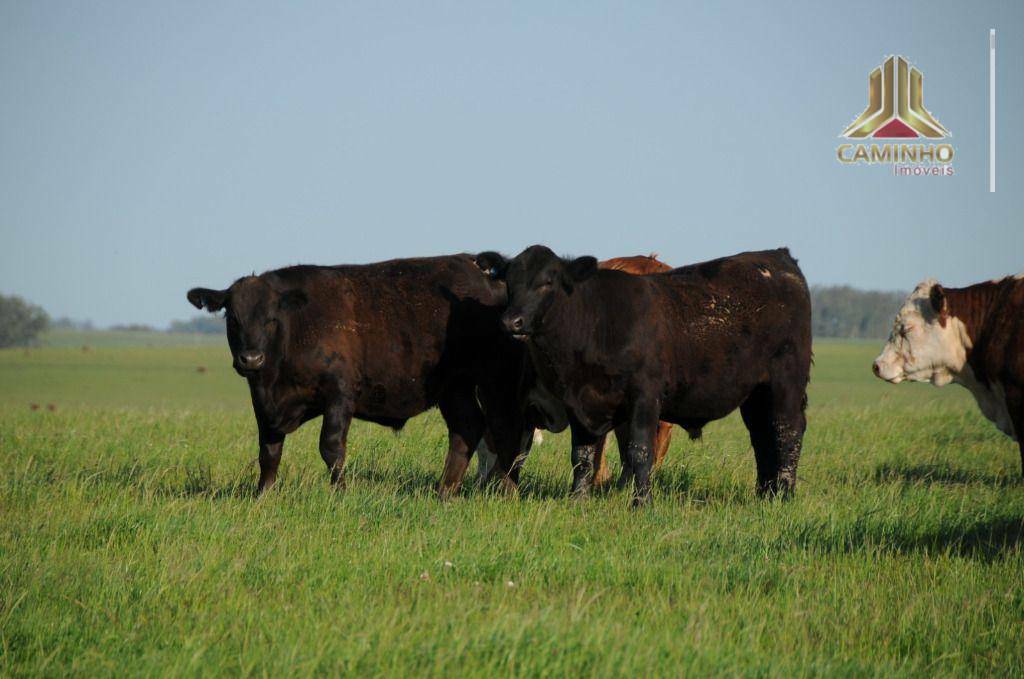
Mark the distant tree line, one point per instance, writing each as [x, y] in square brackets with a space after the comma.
[204, 325]
[20, 322]
[65, 323]
[207, 325]
[132, 327]
[842, 311]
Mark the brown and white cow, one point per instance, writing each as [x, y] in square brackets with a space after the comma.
[973, 336]
[638, 265]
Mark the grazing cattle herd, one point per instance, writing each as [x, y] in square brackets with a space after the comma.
[506, 347]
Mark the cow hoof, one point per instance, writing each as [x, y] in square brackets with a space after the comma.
[775, 491]
[445, 493]
[641, 502]
[508, 487]
[581, 488]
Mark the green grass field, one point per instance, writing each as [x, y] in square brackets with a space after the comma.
[131, 542]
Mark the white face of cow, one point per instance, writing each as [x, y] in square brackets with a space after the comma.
[926, 344]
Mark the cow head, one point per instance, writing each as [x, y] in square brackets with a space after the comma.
[534, 279]
[255, 313]
[926, 344]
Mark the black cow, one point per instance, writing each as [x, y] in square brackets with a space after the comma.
[687, 346]
[381, 342]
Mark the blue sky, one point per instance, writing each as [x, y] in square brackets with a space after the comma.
[149, 147]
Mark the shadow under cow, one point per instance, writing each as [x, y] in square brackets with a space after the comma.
[990, 539]
[943, 474]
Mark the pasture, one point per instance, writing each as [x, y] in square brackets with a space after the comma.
[132, 543]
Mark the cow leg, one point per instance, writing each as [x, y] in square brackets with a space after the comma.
[622, 439]
[643, 425]
[584, 447]
[512, 450]
[333, 441]
[1015, 405]
[486, 460]
[774, 415]
[789, 421]
[757, 416]
[512, 465]
[465, 423]
[502, 469]
[512, 453]
[271, 447]
[509, 432]
[507, 442]
[661, 443]
[788, 427]
[602, 475]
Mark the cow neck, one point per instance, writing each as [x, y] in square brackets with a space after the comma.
[971, 306]
[268, 386]
[263, 388]
[568, 327]
[975, 308]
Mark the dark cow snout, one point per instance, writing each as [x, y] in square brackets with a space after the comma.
[876, 369]
[514, 324]
[251, 360]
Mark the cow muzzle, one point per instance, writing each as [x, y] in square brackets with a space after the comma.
[250, 361]
[516, 327]
[885, 372]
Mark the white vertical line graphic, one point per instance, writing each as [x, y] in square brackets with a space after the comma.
[992, 110]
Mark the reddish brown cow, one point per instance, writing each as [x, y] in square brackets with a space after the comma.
[973, 336]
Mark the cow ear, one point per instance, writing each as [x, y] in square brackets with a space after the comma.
[292, 299]
[937, 297]
[493, 264]
[205, 298]
[581, 268]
